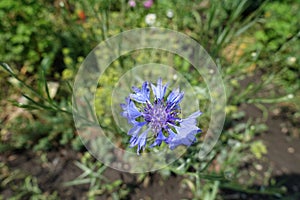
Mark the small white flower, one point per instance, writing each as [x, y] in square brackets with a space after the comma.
[175, 77]
[253, 54]
[150, 19]
[61, 4]
[170, 14]
[291, 60]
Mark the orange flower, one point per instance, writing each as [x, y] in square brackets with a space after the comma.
[81, 15]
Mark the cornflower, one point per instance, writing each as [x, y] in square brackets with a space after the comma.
[159, 116]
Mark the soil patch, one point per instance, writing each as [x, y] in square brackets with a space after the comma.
[59, 168]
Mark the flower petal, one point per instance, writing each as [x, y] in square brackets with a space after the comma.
[159, 139]
[174, 98]
[171, 135]
[186, 132]
[159, 90]
[130, 111]
[141, 95]
[139, 141]
[136, 128]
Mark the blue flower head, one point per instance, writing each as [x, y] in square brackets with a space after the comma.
[159, 116]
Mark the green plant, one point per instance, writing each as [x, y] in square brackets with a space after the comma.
[98, 183]
[22, 186]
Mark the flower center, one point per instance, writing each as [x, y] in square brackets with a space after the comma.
[157, 116]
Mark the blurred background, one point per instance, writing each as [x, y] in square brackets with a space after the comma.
[255, 45]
